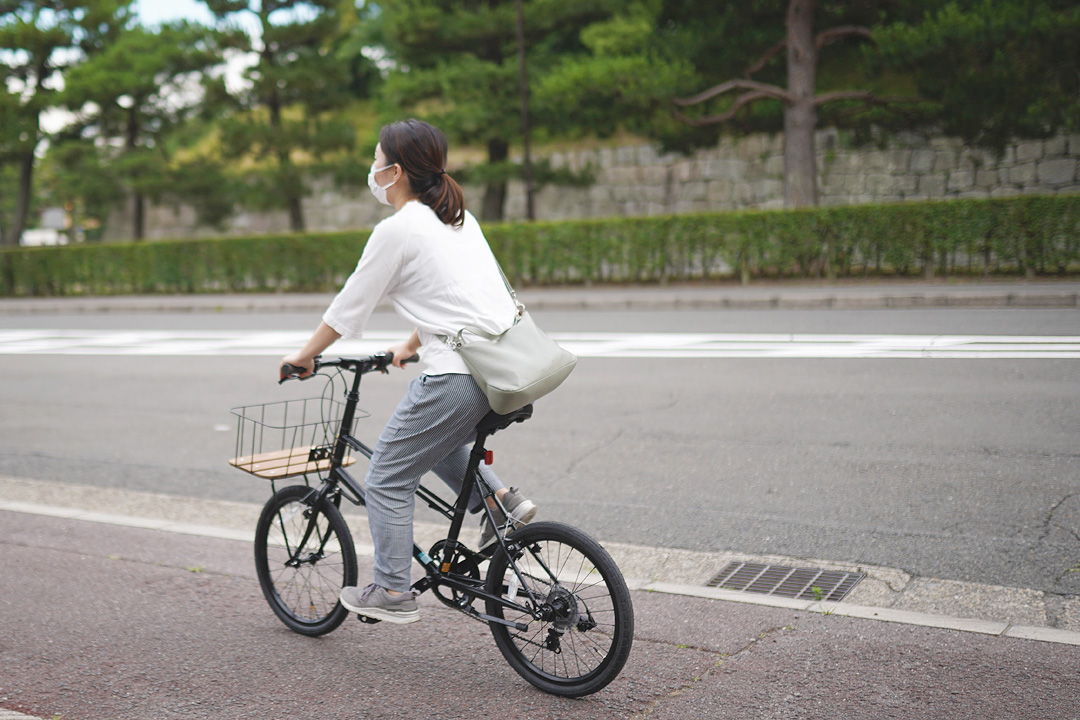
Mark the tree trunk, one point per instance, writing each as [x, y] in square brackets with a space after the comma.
[138, 216]
[296, 215]
[523, 80]
[495, 192]
[138, 201]
[287, 172]
[800, 116]
[289, 176]
[23, 196]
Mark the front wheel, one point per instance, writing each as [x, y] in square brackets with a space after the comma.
[304, 555]
[585, 628]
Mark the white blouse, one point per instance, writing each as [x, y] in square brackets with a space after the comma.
[438, 278]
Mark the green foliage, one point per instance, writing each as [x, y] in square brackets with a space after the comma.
[135, 93]
[75, 171]
[992, 69]
[1033, 234]
[302, 263]
[457, 66]
[38, 40]
[289, 119]
[627, 68]
[1016, 235]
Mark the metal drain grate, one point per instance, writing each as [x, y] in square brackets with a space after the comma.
[788, 582]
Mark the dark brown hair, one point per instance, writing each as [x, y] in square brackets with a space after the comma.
[420, 150]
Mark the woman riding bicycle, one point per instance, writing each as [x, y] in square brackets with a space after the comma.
[431, 260]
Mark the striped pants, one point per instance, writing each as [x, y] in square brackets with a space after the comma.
[432, 429]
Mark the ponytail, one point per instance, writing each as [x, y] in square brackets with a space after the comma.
[445, 197]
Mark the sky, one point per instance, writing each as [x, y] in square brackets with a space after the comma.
[154, 12]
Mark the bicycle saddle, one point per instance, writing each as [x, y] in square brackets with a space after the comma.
[493, 421]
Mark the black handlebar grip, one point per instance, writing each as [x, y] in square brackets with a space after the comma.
[288, 372]
[390, 359]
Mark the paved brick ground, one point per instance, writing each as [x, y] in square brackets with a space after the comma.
[102, 621]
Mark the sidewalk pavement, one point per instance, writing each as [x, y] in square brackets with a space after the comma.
[700, 296]
[123, 622]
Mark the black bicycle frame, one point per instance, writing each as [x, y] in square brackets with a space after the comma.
[339, 480]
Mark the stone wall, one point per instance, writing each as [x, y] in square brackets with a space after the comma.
[748, 173]
[736, 174]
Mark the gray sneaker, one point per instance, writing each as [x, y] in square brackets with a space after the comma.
[374, 602]
[521, 509]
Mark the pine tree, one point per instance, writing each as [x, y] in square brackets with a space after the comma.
[38, 40]
[986, 70]
[130, 96]
[458, 66]
[288, 118]
[992, 71]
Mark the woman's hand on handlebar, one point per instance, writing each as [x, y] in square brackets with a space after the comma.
[295, 362]
[305, 359]
[406, 351]
[402, 353]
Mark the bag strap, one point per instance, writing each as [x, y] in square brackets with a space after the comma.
[457, 341]
[517, 303]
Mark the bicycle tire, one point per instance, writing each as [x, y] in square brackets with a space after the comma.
[593, 592]
[304, 594]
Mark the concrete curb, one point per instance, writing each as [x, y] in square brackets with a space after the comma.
[12, 715]
[905, 617]
[794, 296]
[820, 302]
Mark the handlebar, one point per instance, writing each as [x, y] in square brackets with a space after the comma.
[380, 362]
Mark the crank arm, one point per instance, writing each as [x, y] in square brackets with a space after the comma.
[520, 627]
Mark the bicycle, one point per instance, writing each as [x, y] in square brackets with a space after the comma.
[556, 603]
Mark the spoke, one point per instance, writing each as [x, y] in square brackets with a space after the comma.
[284, 533]
[553, 569]
[310, 591]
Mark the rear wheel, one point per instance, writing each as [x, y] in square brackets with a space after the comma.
[585, 628]
[304, 555]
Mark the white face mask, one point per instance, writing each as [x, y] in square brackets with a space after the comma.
[379, 191]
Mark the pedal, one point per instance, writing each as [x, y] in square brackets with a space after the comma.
[367, 620]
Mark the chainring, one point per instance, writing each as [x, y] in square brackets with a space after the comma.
[467, 564]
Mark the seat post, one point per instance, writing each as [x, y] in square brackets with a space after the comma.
[461, 507]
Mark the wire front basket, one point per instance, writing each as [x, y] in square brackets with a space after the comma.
[288, 438]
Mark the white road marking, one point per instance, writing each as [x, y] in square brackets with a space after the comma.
[609, 345]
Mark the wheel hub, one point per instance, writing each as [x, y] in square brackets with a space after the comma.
[310, 559]
[561, 609]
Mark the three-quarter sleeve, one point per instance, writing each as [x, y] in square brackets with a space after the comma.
[375, 274]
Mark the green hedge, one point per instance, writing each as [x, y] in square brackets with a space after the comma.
[1029, 235]
[302, 263]
[1039, 234]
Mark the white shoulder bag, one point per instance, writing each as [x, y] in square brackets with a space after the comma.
[517, 367]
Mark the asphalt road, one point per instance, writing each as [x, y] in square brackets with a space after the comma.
[956, 469]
